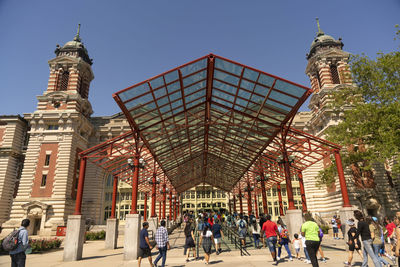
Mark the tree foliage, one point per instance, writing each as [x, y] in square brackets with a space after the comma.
[370, 113]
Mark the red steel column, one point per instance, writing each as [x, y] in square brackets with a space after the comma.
[240, 201]
[342, 181]
[289, 188]
[135, 184]
[159, 210]
[175, 209]
[249, 205]
[280, 199]
[114, 197]
[234, 203]
[145, 207]
[229, 204]
[170, 205]
[81, 182]
[256, 204]
[302, 191]
[264, 194]
[164, 200]
[153, 196]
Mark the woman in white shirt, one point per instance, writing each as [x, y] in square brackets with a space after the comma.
[207, 239]
[255, 229]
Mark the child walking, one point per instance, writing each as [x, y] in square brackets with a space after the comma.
[296, 245]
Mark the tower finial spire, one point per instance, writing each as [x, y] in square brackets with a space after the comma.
[319, 33]
[77, 37]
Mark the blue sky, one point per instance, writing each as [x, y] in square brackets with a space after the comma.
[131, 41]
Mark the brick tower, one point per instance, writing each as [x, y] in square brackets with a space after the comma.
[59, 130]
[329, 71]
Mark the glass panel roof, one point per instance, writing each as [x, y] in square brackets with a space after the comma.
[209, 119]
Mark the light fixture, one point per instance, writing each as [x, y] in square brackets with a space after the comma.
[132, 165]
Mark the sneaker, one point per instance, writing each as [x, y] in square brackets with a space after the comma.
[308, 261]
[275, 263]
[278, 258]
[305, 260]
[187, 260]
[323, 260]
[291, 259]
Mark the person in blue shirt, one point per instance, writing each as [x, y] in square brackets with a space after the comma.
[218, 235]
[18, 257]
[144, 245]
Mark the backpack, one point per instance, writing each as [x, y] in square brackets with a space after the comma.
[200, 226]
[285, 234]
[11, 241]
[242, 224]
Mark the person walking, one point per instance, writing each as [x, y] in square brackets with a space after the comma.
[284, 241]
[397, 239]
[376, 236]
[261, 223]
[144, 245]
[296, 244]
[335, 228]
[162, 243]
[271, 234]
[18, 256]
[218, 235]
[242, 230]
[255, 230]
[365, 233]
[206, 240]
[353, 242]
[310, 230]
[189, 242]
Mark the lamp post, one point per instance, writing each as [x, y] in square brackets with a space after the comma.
[240, 201]
[164, 192]
[248, 189]
[262, 179]
[174, 198]
[286, 161]
[153, 182]
[135, 164]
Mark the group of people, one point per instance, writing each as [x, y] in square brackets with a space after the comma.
[374, 235]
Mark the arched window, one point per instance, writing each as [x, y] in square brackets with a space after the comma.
[335, 74]
[63, 81]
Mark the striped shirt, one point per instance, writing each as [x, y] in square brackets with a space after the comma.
[161, 237]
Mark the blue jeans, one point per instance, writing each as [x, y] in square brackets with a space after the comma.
[256, 238]
[286, 244]
[306, 254]
[367, 250]
[271, 243]
[163, 254]
[377, 247]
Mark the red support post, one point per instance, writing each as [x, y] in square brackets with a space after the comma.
[135, 184]
[229, 204]
[278, 188]
[145, 207]
[342, 181]
[302, 191]
[289, 188]
[249, 205]
[175, 209]
[81, 182]
[234, 203]
[159, 210]
[256, 204]
[264, 194]
[164, 200]
[170, 205]
[114, 197]
[240, 202]
[153, 196]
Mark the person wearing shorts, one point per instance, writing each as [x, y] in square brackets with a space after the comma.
[271, 234]
[144, 245]
[242, 229]
[218, 235]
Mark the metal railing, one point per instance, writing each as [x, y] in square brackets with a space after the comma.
[233, 236]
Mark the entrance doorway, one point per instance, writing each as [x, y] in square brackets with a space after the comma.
[36, 226]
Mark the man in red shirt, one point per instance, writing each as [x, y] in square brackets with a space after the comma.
[271, 234]
[390, 230]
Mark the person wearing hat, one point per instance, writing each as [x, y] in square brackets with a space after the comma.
[144, 245]
[354, 241]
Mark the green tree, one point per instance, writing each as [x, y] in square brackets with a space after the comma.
[370, 126]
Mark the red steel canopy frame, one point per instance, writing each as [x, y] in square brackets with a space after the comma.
[211, 121]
